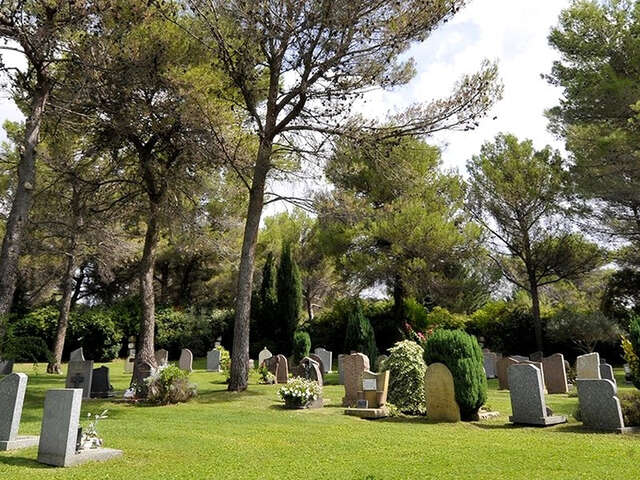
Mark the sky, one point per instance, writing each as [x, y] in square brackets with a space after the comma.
[512, 32]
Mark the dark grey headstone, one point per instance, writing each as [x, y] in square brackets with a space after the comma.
[77, 355]
[606, 372]
[100, 385]
[311, 370]
[536, 356]
[527, 397]
[80, 375]
[599, 405]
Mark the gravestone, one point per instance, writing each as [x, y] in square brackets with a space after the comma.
[282, 369]
[327, 358]
[599, 405]
[80, 375]
[130, 361]
[59, 431]
[252, 364]
[606, 372]
[440, 394]
[162, 357]
[490, 361]
[627, 373]
[100, 385]
[374, 388]
[588, 366]
[317, 359]
[186, 360]
[536, 356]
[310, 369]
[6, 367]
[263, 355]
[520, 358]
[354, 366]
[555, 374]
[527, 397]
[77, 356]
[341, 369]
[12, 390]
[213, 361]
[502, 367]
[539, 366]
[372, 394]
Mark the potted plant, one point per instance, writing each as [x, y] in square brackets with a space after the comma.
[301, 393]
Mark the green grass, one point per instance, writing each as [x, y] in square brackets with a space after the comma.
[249, 436]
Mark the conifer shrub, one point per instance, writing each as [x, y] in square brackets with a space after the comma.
[301, 345]
[462, 355]
[406, 377]
[359, 336]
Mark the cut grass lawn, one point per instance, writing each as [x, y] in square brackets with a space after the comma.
[223, 435]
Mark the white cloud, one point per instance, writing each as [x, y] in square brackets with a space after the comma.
[513, 32]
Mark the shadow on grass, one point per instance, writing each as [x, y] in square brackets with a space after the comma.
[222, 396]
[21, 462]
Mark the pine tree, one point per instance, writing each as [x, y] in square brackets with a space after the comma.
[289, 288]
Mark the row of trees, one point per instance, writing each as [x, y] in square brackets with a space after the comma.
[144, 105]
[156, 133]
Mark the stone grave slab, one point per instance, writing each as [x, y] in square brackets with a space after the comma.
[327, 358]
[588, 366]
[354, 366]
[502, 367]
[555, 374]
[162, 357]
[490, 361]
[186, 360]
[527, 397]
[59, 433]
[213, 361]
[599, 404]
[12, 390]
[80, 375]
[440, 394]
[100, 384]
[263, 355]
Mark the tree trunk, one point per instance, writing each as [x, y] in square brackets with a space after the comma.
[399, 294]
[145, 356]
[12, 242]
[240, 354]
[535, 311]
[308, 300]
[63, 317]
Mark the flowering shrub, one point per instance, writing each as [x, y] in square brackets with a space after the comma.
[169, 384]
[299, 391]
[406, 385]
[632, 359]
[90, 438]
[266, 377]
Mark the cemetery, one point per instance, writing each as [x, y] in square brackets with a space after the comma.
[303, 239]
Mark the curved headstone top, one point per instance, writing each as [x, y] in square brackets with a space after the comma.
[77, 355]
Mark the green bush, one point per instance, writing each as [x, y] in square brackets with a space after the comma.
[442, 318]
[168, 385]
[177, 329]
[301, 346]
[95, 330]
[462, 355]
[41, 322]
[406, 377]
[630, 405]
[634, 338]
[359, 336]
[26, 349]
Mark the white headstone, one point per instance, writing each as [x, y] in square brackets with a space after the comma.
[588, 366]
[263, 355]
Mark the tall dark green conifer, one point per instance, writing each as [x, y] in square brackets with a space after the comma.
[289, 288]
[267, 314]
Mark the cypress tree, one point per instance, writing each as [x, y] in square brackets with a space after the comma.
[289, 288]
[462, 355]
[360, 336]
[268, 302]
